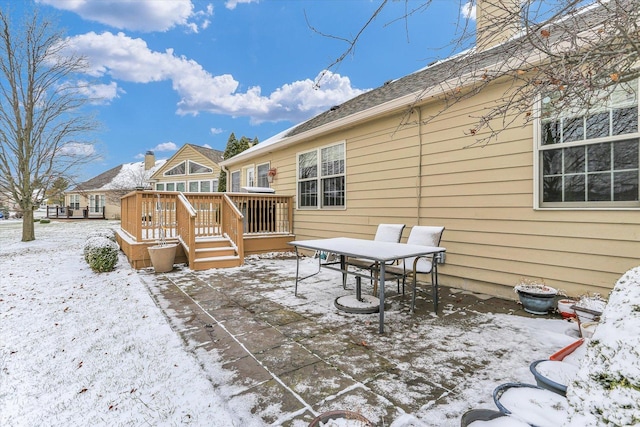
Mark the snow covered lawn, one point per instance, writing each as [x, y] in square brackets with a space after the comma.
[85, 348]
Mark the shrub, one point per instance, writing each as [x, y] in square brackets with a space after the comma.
[108, 233]
[45, 221]
[101, 253]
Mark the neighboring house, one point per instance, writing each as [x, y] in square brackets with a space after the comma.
[103, 192]
[509, 208]
[192, 169]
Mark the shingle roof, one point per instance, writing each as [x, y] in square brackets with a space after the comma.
[214, 155]
[99, 181]
[434, 75]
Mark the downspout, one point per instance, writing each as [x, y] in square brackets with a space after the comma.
[419, 177]
[226, 172]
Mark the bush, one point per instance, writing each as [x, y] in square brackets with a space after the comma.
[108, 233]
[45, 221]
[101, 253]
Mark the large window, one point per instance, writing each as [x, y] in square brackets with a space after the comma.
[590, 160]
[321, 178]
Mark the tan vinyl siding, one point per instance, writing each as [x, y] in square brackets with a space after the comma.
[184, 155]
[482, 195]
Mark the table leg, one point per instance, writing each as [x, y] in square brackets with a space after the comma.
[295, 292]
[359, 288]
[381, 297]
[343, 263]
[434, 282]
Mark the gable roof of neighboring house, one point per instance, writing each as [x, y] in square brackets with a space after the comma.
[125, 176]
[429, 82]
[216, 156]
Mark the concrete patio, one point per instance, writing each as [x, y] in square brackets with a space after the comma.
[296, 357]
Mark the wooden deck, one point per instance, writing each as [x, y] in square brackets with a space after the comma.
[67, 212]
[214, 230]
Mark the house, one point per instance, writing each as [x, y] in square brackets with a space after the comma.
[100, 196]
[511, 208]
[192, 169]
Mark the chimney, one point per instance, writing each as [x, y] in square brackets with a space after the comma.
[149, 160]
[496, 22]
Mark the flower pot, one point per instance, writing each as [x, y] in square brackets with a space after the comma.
[565, 308]
[531, 404]
[162, 257]
[588, 328]
[553, 375]
[566, 351]
[536, 303]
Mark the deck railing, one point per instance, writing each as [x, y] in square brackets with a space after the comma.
[80, 212]
[186, 225]
[193, 215]
[264, 213]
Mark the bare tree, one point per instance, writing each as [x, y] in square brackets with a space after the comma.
[41, 119]
[575, 52]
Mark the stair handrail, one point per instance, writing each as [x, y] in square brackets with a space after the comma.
[232, 225]
[186, 232]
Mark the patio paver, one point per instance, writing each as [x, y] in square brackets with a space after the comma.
[293, 366]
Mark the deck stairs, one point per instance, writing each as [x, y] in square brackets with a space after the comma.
[215, 252]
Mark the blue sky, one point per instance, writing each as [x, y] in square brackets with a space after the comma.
[170, 72]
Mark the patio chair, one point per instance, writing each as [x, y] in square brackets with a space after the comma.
[385, 233]
[425, 236]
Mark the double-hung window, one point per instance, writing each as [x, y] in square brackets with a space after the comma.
[263, 175]
[321, 177]
[590, 159]
[235, 181]
[74, 201]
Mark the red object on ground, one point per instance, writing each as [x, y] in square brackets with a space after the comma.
[564, 352]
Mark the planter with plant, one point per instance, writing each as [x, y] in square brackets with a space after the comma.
[536, 297]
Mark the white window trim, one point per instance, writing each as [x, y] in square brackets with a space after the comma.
[188, 168]
[249, 170]
[319, 206]
[184, 162]
[537, 171]
[213, 184]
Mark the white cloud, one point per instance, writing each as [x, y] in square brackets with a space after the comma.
[124, 58]
[138, 15]
[216, 131]
[100, 94]
[231, 4]
[468, 10]
[76, 149]
[166, 146]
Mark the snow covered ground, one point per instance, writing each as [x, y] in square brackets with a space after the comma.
[85, 348]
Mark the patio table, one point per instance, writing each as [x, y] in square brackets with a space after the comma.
[376, 251]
